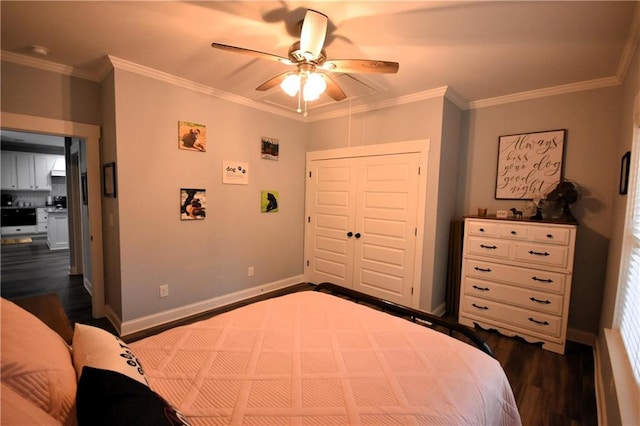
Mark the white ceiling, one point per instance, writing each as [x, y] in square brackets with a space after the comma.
[479, 50]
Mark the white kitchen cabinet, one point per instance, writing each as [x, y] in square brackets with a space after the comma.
[57, 229]
[9, 171]
[42, 171]
[25, 171]
[42, 219]
[516, 278]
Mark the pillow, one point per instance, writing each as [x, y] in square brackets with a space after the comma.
[95, 347]
[19, 411]
[36, 363]
[106, 397]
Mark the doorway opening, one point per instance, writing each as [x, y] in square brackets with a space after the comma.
[90, 262]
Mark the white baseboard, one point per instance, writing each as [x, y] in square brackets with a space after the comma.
[598, 380]
[139, 324]
[580, 336]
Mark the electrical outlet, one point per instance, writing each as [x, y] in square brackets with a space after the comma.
[250, 271]
[164, 290]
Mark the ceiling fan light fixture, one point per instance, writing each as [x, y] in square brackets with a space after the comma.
[314, 87]
[291, 84]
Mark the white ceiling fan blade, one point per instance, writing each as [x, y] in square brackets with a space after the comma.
[312, 34]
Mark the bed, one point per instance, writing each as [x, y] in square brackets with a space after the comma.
[305, 358]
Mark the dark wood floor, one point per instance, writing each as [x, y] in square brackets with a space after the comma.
[550, 389]
[32, 269]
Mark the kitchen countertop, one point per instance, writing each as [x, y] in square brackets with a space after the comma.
[54, 210]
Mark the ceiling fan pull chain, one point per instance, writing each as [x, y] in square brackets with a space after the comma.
[305, 109]
[299, 110]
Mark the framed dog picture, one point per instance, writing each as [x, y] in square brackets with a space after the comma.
[269, 201]
[192, 136]
[193, 204]
[269, 148]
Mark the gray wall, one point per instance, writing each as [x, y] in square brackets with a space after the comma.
[591, 160]
[200, 260]
[630, 91]
[424, 119]
[32, 91]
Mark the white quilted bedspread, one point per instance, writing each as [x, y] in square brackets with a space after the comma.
[309, 358]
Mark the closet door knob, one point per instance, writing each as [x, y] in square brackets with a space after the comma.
[349, 234]
[357, 235]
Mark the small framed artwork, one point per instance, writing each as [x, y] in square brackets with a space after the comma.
[109, 179]
[624, 173]
[192, 136]
[193, 204]
[235, 172]
[269, 201]
[269, 148]
[529, 164]
[85, 190]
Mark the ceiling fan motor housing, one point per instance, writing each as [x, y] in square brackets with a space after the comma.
[296, 55]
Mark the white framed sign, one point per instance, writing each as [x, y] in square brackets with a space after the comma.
[235, 172]
[529, 164]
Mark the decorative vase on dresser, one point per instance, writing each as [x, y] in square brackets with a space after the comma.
[516, 278]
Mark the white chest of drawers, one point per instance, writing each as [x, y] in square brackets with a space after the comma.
[516, 278]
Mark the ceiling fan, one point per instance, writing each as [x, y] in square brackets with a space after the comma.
[311, 78]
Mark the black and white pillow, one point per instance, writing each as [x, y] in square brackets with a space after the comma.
[95, 347]
[109, 398]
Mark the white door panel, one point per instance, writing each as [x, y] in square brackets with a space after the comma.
[362, 215]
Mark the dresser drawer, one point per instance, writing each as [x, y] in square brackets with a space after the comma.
[525, 298]
[511, 231]
[536, 279]
[539, 254]
[552, 235]
[537, 322]
[488, 247]
[486, 229]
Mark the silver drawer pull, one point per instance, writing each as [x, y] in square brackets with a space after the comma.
[538, 322]
[488, 247]
[481, 307]
[542, 280]
[482, 270]
[481, 288]
[533, 299]
[537, 253]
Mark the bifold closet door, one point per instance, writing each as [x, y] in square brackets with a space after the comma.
[331, 216]
[362, 224]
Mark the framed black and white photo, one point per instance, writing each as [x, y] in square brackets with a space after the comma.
[529, 164]
[109, 179]
[624, 173]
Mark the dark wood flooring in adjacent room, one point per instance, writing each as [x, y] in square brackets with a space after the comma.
[550, 389]
[32, 269]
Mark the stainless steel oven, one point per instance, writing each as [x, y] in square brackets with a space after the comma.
[18, 216]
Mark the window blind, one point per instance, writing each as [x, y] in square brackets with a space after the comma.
[629, 298]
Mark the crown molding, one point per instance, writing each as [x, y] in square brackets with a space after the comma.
[125, 65]
[387, 103]
[630, 46]
[543, 93]
[48, 66]
[112, 62]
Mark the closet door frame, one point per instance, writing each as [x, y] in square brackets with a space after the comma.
[415, 146]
